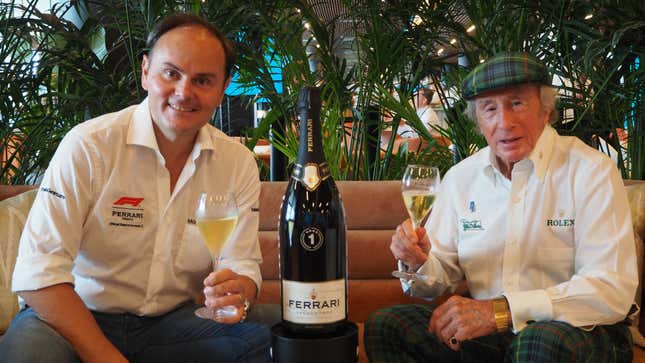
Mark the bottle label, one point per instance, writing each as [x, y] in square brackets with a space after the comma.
[313, 302]
[311, 174]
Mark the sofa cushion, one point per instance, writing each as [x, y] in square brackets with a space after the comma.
[636, 196]
[13, 213]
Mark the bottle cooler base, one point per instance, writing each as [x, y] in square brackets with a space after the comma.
[339, 348]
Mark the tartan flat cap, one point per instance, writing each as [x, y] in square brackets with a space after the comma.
[504, 70]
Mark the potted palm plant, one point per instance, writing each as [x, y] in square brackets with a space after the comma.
[77, 60]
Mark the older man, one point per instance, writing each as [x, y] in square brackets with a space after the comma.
[111, 266]
[537, 225]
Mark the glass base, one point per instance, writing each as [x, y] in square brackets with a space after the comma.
[223, 312]
[406, 274]
[409, 276]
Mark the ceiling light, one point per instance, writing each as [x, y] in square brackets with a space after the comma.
[440, 51]
[481, 60]
[588, 16]
[453, 40]
[471, 28]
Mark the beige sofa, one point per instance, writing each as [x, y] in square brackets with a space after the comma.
[373, 209]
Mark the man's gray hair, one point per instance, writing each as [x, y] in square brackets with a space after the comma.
[547, 100]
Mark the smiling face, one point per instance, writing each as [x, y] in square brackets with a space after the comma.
[511, 120]
[185, 79]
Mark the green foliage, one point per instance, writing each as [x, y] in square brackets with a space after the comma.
[56, 73]
[51, 80]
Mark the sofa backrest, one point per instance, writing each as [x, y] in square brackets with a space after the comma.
[373, 209]
[13, 213]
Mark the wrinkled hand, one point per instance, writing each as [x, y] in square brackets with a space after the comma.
[463, 319]
[409, 245]
[226, 288]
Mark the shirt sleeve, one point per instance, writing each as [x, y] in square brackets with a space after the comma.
[442, 267]
[51, 237]
[244, 256]
[602, 287]
[429, 118]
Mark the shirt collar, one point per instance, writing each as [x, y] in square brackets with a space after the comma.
[141, 132]
[489, 165]
[539, 157]
[541, 154]
[204, 141]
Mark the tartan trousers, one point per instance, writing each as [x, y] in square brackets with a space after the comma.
[400, 334]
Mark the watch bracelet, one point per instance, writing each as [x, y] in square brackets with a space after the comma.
[501, 311]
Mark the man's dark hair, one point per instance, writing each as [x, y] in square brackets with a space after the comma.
[427, 94]
[185, 19]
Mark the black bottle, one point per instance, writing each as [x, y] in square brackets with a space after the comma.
[311, 229]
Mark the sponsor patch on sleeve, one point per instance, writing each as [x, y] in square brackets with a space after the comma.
[52, 192]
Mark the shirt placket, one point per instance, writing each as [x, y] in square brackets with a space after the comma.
[512, 258]
[158, 265]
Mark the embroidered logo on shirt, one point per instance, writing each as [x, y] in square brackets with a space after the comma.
[126, 212]
[471, 224]
[54, 193]
[560, 222]
[129, 201]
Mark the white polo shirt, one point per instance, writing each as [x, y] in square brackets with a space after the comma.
[556, 239]
[105, 221]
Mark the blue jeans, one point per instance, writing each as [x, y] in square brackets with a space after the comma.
[178, 336]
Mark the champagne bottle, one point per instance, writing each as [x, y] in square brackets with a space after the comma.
[311, 229]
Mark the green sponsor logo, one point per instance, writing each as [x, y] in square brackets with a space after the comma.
[560, 222]
[471, 225]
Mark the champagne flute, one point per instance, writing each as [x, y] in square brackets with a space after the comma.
[419, 187]
[216, 217]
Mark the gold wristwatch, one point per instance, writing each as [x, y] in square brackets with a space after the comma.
[502, 314]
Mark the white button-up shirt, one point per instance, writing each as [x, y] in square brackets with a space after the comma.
[105, 220]
[556, 240]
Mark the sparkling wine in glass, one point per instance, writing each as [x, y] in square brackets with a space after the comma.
[418, 187]
[216, 217]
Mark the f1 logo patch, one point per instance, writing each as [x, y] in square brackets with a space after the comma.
[129, 201]
[127, 212]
